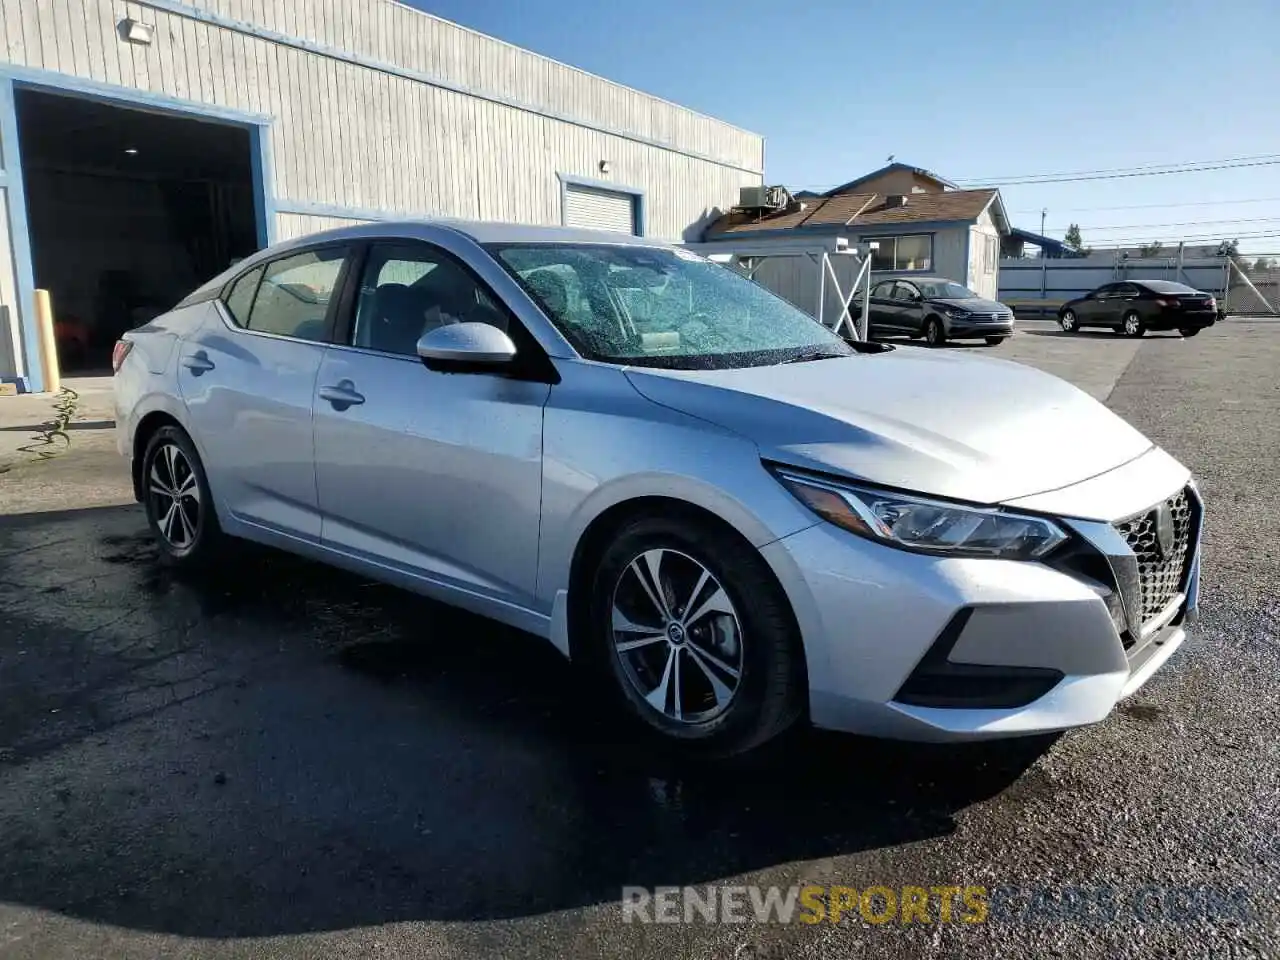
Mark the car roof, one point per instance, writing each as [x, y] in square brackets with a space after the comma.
[487, 231]
[478, 231]
[917, 279]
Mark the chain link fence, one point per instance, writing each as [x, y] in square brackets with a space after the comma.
[1254, 286]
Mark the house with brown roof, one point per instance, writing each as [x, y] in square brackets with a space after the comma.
[920, 223]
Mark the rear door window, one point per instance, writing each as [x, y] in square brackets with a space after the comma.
[294, 295]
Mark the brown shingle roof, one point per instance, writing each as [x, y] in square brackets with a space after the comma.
[841, 209]
[859, 210]
[921, 207]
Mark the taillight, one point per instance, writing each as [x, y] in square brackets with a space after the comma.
[1161, 302]
[118, 353]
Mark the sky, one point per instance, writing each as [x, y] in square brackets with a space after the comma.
[981, 90]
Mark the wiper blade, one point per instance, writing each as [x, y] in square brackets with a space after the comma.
[818, 355]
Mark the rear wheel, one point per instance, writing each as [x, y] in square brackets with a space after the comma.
[1189, 331]
[935, 335]
[995, 341]
[698, 640]
[177, 499]
[1133, 325]
[1068, 321]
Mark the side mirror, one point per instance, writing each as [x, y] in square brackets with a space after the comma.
[466, 348]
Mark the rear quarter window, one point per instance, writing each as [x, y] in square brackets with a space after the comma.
[239, 299]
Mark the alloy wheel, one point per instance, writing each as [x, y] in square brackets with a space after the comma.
[677, 636]
[1068, 321]
[933, 333]
[1132, 324]
[175, 496]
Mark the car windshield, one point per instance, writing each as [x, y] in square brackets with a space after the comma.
[944, 290]
[663, 307]
[1168, 286]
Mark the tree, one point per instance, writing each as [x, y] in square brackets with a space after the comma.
[1263, 264]
[1150, 249]
[1072, 239]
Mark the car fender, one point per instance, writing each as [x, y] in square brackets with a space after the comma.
[759, 531]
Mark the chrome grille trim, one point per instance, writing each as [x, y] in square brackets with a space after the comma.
[1161, 575]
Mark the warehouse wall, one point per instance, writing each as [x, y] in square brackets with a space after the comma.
[348, 136]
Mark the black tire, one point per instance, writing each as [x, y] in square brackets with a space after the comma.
[1189, 331]
[1068, 321]
[995, 341]
[935, 334]
[205, 539]
[769, 697]
[1132, 325]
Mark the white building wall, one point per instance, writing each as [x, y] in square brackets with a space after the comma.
[379, 110]
[347, 135]
[984, 257]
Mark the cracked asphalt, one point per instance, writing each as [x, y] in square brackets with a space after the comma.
[279, 760]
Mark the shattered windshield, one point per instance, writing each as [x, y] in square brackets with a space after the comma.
[663, 307]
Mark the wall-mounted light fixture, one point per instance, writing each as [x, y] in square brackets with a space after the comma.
[135, 31]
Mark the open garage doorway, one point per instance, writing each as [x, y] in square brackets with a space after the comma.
[128, 210]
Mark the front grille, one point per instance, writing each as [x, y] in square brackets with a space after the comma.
[1161, 572]
[990, 317]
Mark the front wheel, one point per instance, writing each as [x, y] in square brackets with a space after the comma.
[1189, 331]
[1068, 321]
[935, 335]
[179, 506]
[995, 341]
[700, 643]
[1133, 325]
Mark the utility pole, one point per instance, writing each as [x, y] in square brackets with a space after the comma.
[1043, 211]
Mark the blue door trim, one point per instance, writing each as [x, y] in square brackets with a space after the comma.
[568, 180]
[49, 81]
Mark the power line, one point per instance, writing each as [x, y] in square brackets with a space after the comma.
[1155, 206]
[1147, 167]
[1125, 176]
[1182, 223]
[1197, 166]
[1200, 239]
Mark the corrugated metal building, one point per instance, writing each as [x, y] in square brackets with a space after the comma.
[145, 144]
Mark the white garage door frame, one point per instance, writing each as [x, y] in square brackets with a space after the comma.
[636, 194]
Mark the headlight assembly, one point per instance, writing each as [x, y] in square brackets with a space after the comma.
[925, 525]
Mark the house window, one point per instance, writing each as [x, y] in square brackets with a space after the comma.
[902, 253]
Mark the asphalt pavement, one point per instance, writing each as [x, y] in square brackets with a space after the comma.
[278, 760]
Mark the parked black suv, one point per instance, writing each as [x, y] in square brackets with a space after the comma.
[936, 309]
[1133, 307]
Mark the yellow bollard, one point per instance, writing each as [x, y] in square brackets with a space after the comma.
[48, 343]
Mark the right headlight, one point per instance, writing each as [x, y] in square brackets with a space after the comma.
[925, 525]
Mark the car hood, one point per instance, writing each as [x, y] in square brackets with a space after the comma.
[940, 422]
[972, 304]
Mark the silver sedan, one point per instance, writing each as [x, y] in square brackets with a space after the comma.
[730, 517]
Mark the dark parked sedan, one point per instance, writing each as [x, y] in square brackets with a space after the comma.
[1134, 307]
[938, 310]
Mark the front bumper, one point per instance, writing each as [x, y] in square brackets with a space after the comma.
[960, 328]
[916, 647]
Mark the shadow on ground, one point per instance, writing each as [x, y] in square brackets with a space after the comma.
[278, 748]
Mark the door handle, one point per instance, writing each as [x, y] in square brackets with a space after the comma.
[198, 363]
[342, 395]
